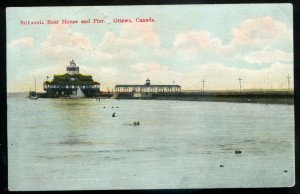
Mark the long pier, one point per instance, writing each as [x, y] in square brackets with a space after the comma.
[268, 97]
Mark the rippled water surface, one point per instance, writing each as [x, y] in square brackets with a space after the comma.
[70, 144]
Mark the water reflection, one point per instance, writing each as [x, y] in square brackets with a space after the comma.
[74, 114]
[75, 142]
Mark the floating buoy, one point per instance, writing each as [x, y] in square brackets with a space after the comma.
[237, 151]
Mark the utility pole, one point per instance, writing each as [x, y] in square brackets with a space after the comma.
[288, 78]
[240, 80]
[203, 81]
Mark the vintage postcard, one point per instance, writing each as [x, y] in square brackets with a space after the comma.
[150, 97]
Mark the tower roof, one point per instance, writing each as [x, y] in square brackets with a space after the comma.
[72, 63]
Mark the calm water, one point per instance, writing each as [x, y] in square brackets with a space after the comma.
[59, 144]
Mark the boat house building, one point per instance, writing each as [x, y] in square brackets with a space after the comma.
[72, 84]
[147, 88]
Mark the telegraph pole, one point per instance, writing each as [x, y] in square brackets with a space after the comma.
[203, 81]
[288, 78]
[240, 80]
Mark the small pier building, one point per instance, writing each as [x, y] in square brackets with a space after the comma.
[147, 89]
[72, 84]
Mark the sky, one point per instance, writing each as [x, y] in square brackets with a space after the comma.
[184, 45]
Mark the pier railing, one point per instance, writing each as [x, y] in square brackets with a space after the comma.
[70, 87]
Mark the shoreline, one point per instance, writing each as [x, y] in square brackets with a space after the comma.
[276, 97]
[263, 98]
[285, 101]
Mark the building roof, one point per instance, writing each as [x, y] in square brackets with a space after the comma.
[147, 86]
[77, 79]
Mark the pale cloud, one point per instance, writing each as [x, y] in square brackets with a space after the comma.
[137, 34]
[256, 41]
[260, 32]
[133, 40]
[262, 57]
[116, 47]
[196, 41]
[21, 43]
[111, 43]
[149, 67]
[61, 35]
[62, 44]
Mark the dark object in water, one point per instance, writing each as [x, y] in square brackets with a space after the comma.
[114, 114]
[103, 106]
[117, 107]
[285, 171]
[112, 107]
[136, 123]
[237, 151]
[221, 165]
